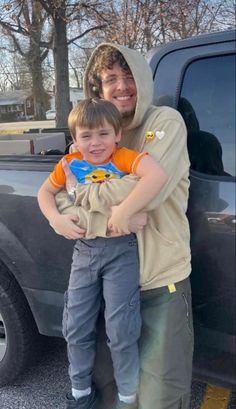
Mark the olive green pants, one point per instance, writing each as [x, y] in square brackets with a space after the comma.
[166, 348]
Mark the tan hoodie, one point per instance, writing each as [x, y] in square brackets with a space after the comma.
[164, 248]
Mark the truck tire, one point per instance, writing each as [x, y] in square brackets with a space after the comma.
[18, 332]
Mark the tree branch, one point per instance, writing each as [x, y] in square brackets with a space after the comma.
[86, 32]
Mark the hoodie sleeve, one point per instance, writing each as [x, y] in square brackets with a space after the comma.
[169, 148]
[94, 223]
[93, 203]
[99, 197]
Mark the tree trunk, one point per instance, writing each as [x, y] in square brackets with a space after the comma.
[60, 52]
[39, 94]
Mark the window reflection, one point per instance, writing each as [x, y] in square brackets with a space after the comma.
[207, 105]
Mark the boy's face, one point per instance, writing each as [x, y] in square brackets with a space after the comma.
[97, 144]
[119, 88]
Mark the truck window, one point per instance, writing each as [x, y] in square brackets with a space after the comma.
[207, 104]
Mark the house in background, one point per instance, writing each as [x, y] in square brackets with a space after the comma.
[16, 105]
[76, 95]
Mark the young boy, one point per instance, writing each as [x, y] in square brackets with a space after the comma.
[102, 267]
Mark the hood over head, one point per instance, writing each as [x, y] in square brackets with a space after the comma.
[143, 79]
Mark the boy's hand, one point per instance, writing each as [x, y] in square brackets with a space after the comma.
[65, 225]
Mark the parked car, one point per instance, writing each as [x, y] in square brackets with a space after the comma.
[22, 117]
[197, 77]
[51, 114]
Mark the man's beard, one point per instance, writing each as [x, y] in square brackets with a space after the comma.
[127, 116]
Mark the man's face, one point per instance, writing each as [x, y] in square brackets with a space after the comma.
[119, 88]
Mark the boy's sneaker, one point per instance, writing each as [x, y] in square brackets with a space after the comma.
[123, 405]
[86, 402]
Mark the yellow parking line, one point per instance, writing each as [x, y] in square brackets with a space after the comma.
[216, 398]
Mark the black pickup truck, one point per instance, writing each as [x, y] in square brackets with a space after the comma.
[197, 77]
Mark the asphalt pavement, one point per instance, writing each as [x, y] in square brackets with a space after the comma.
[45, 383]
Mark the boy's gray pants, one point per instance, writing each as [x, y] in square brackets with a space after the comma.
[104, 268]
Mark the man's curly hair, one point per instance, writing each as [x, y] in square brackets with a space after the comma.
[104, 59]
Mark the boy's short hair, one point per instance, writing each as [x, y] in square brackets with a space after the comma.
[91, 113]
[104, 59]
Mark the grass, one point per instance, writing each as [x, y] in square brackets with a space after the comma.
[12, 131]
[19, 128]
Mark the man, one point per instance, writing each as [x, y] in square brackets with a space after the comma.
[123, 77]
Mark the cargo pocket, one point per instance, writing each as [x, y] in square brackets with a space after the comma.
[65, 315]
[185, 401]
[133, 315]
[80, 269]
[188, 314]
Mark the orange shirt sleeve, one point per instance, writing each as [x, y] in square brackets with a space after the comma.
[127, 160]
[57, 177]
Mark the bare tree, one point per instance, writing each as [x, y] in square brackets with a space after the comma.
[143, 24]
[76, 70]
[35, 26]
[14, 73]
[63, 13]
[226, 19]
[185, 18]
[134, 23]
[23, 22]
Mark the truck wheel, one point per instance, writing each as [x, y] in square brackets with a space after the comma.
[18, 331]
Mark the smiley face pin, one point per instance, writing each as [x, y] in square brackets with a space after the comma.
[149, 135]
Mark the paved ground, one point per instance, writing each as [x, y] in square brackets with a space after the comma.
[43, 386]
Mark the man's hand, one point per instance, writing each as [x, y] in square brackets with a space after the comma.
[122, 223]
[66, 225]
[137, 222]
[119, 221]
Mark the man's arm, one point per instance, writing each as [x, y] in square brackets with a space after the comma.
[99, 197]
[152, 178]
[94, 224]
[170, 151]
